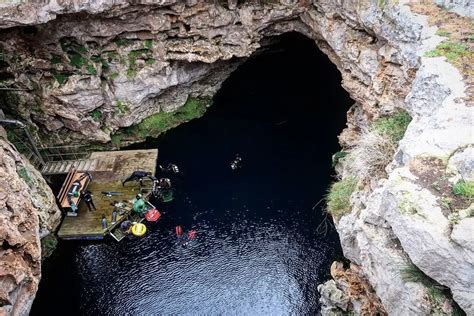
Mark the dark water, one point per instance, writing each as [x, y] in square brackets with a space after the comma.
[257, 250]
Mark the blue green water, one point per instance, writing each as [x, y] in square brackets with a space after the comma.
[257, 250]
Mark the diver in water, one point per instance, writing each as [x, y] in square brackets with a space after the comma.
[171, 167]
[191, 235]
[138, 176]
[164, 183]
[236, 163]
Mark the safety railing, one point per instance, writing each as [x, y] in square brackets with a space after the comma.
[61, 153]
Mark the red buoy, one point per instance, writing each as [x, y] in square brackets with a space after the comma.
[152, 215]
[192, 234]
[179, 231]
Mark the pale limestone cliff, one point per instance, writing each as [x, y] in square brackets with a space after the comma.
[95, 68]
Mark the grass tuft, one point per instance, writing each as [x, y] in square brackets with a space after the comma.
[338, 198]
[96, 115]
[337, 156]
[121, 106]
[148, 44]
[393, 126]
[150, 61]
[453, 51]
[435, 292]
[464, 189]
[91, 69]
[77, 60]
[60, 78]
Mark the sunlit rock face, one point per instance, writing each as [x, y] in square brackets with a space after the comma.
[96, 67]
[27, 211]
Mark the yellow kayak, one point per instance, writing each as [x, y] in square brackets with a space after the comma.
[139, 229]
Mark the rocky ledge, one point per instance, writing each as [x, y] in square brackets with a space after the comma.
[28, 212]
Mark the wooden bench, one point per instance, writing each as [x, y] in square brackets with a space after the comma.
[83, 178]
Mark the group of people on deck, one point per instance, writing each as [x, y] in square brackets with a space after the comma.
[139, 204]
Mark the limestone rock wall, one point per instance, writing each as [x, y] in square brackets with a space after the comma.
[27, 211]
[96, 68]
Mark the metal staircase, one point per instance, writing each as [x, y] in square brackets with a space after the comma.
[51, 160]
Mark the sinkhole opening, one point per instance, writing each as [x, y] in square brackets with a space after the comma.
[257, 248]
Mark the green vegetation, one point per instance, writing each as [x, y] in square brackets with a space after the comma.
[376, 146]
[37, 109]
[471, 37]
[442, 32]
[121, 106]
[60, 78]
[23, 173]
[113, 55]
[56, 59]
[464, 189]
[91, 69]
[113, 76]
[132, 61]
[451, 50]
[407, 207]
[116, 139]
[132, 72]
[156, 124]
[3, 56]
[96, 115]
[102, 61]
[75, 53]
[48, 245]
[150, 61]
[393, 126]
[436, 293]
[446, 202]
[77, 60]
[337, 156]
[338, 197]
[148, 44]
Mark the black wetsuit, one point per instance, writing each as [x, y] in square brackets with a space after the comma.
[87, 196]
[137, 176]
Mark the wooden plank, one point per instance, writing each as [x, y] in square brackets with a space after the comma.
[112, 169]
[65, 184]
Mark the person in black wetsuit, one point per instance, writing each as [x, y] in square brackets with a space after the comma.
[87, 197]
[171, 167]
[138, 176]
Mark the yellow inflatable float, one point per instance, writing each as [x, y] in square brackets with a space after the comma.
[138, 229]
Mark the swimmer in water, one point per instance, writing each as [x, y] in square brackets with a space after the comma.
[191, 235]
[236, 163]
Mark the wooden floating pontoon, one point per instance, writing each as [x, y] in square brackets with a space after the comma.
[87, 224]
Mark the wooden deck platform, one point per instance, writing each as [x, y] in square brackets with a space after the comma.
[87, 225]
